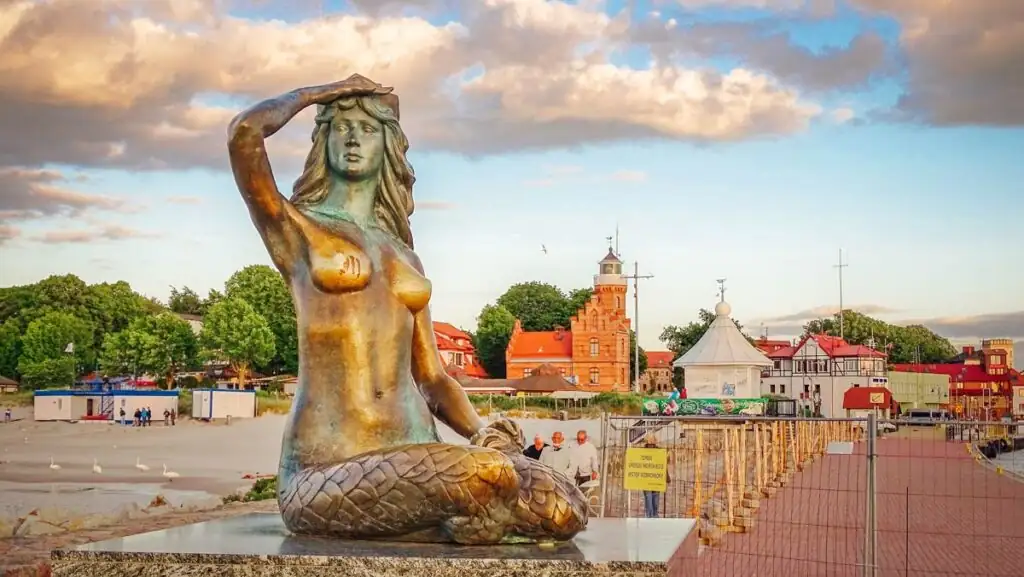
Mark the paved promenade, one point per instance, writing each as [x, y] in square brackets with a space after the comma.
[939, 514]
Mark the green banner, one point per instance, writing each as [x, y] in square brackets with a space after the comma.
[707, 407]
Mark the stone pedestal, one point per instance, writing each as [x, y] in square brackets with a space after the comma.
[257, 545]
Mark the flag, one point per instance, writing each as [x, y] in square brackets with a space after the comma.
[70, 349]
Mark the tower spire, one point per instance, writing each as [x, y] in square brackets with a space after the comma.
[721, 289]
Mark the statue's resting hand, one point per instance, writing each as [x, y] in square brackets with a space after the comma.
[503, 435]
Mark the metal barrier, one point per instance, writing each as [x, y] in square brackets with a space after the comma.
[798, 497]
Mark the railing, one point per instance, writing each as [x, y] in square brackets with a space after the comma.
[796, 497]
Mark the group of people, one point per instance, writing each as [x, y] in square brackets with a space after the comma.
[578, 461]
[143, 417]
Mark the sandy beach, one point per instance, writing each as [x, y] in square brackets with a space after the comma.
[211, 459]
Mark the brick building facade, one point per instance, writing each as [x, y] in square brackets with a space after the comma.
[593, 352]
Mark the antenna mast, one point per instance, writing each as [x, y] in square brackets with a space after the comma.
[841, 266]
[636, 276]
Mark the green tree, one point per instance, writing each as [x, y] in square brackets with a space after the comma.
[643, 358]
[265, 290]
[578, 298]
[538, 306]
[213, 297]
[234, 332]
[123, 353]
[185, 301]
[162, 344]
[44, 361]
[493, 330]
[909, 344]
[678, 379]
[10, 348]
[680, 339]
[112, 307]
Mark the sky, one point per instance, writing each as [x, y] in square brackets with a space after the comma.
[750, 140]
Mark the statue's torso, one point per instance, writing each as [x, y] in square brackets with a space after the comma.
[355, 308]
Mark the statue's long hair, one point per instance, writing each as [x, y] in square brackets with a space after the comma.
[394, 204]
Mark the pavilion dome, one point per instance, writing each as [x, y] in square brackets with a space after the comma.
[723, 344]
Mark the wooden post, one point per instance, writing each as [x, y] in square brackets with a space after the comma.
[758, 459]
[743, 459]
[698, 463]
[727, 460]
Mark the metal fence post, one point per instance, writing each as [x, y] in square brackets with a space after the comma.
[605, 439]
[870, 519]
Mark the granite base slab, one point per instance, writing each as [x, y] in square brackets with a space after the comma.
[258, 545]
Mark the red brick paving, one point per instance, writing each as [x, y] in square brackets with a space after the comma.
[939, 514]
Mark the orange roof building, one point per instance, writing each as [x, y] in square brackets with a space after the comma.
[658, 376]
[457, 351]
[593, 352]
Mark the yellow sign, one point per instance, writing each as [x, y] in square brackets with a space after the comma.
[646, 469]
[876, 398]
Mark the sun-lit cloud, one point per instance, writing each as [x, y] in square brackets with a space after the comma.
[185, 199]
[88, 235]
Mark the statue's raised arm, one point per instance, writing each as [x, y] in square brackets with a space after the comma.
[361, 455]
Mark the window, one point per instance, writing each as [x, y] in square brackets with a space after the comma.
[595, 376]
[593, 347]
[777, 365]
[807, 388]
[458, 359]
[782, 389]
[771, 389]
[527, 372]
[817, 388]
[618, 302]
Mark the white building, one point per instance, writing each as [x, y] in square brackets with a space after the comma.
[1018, 402]
[821, 368]
[211, 404]
[100, 405]
[723, 364]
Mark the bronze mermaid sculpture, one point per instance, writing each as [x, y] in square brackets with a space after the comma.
[361, 456]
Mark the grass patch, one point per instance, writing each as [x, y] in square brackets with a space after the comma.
[19, 399]
[262, 490]
[272, 404]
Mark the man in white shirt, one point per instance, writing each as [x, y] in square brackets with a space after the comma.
[557, 456]
[585, 463]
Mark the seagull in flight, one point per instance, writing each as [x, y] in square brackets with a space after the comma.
[544, 249]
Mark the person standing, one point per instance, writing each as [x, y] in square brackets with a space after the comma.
[652, 498]
[557, 456]
[585, 462]
[7, 415]
[534, 450]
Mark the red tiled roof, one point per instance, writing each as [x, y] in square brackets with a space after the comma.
[450, 331]
[446, 344]
[831, 346]
[859, 398]
[660, 359]
[769, 345]
[970, 373]
[554, 344]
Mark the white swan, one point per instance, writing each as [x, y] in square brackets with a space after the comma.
[53, 465]
[170, 474]
[139, 465]
[96, 467]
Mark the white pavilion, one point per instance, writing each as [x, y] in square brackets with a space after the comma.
[723, 364]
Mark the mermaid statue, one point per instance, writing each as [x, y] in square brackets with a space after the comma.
[361, 456]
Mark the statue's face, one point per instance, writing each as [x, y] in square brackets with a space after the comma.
[355, 144]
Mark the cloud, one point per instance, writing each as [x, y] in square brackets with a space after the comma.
[629, 176]
[965, 60]
[28, 193]
[434, 205]
[184, 200]
[106, 232]
[135, 92]
[993, 325]
[8, 233]
[828, 311]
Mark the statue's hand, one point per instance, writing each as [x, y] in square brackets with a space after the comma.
[503, 435]
[351, 86]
